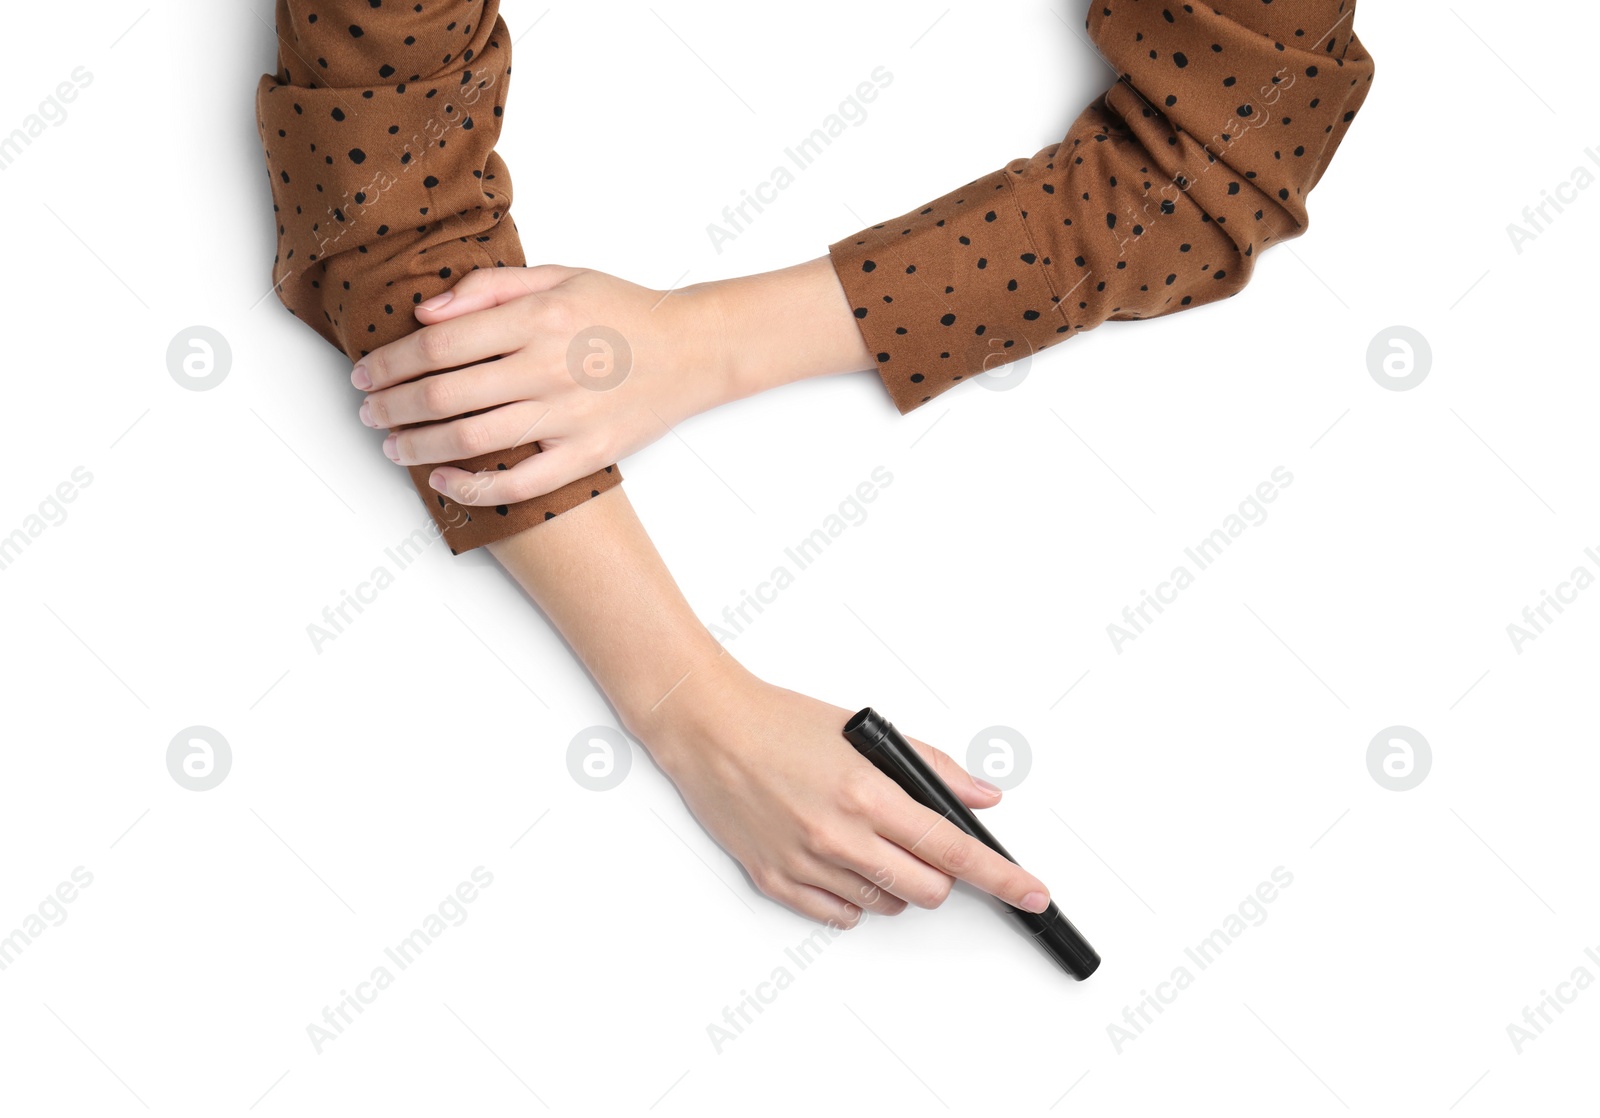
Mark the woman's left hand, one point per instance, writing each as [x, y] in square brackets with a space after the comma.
[589, 366]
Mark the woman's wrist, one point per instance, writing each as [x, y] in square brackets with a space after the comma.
[681, 716]
[600, 581]
[664, 674]
[775, 328]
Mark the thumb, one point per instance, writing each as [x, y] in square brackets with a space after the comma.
[961, 782]
[534, 476]
[489, 287]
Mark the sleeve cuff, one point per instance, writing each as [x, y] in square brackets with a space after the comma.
[949, 291]
[465, 527]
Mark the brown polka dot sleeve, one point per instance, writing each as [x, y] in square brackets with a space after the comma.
[1159, 198]
[379, 128]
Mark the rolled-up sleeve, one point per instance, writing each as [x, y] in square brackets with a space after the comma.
[379, 128]
[1159, 198]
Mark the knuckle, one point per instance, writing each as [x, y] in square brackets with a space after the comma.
[472, 438]
[472, 491]
[863, 792]
[378, 409]
[515, 486]
[435, 343]
[438, 396]
[957, 856]
[766, 880]
[823, 841]
[556, 315]
[529, 311]
[606, 450]
[936, 894]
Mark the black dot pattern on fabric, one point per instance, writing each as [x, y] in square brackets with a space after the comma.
[387, 190]
[1138, 212]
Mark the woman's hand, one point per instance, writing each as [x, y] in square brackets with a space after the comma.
[770, 775]
[589, 366]
[766, 771]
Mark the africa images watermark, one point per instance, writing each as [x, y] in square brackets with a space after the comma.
[1251, 912]
[51, 111]
[851, 113]
[1536, 1017]
[742, 1013]
[337, 618]
[1251, 512]
[51, 514]
[1536, 618]
[850, 513]
[1537, 219]
[451, 912]
[50, 913]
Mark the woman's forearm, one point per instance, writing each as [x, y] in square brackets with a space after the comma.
[787, 325]
[596, 575]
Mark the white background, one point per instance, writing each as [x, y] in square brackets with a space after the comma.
[1231, 738]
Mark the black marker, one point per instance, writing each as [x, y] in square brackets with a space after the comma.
[876, 739]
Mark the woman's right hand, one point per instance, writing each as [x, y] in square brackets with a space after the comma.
[766, 771]
[770, 775]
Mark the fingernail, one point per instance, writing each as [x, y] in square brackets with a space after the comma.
[360, 378]
[986, 786]
[366, 414]
[436, 481]
[389, 448]
[1035, 902]
[437, 301]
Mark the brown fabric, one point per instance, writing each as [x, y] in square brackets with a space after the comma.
[379, 129]
[1158, 199]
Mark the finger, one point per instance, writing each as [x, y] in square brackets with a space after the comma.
[968, 788]
[820, 904]
[490, 287]
[852, 888]
[445, 395]
[890, 868]
[949, 849]
[491, 333]
[534, 476]
[497, 429]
